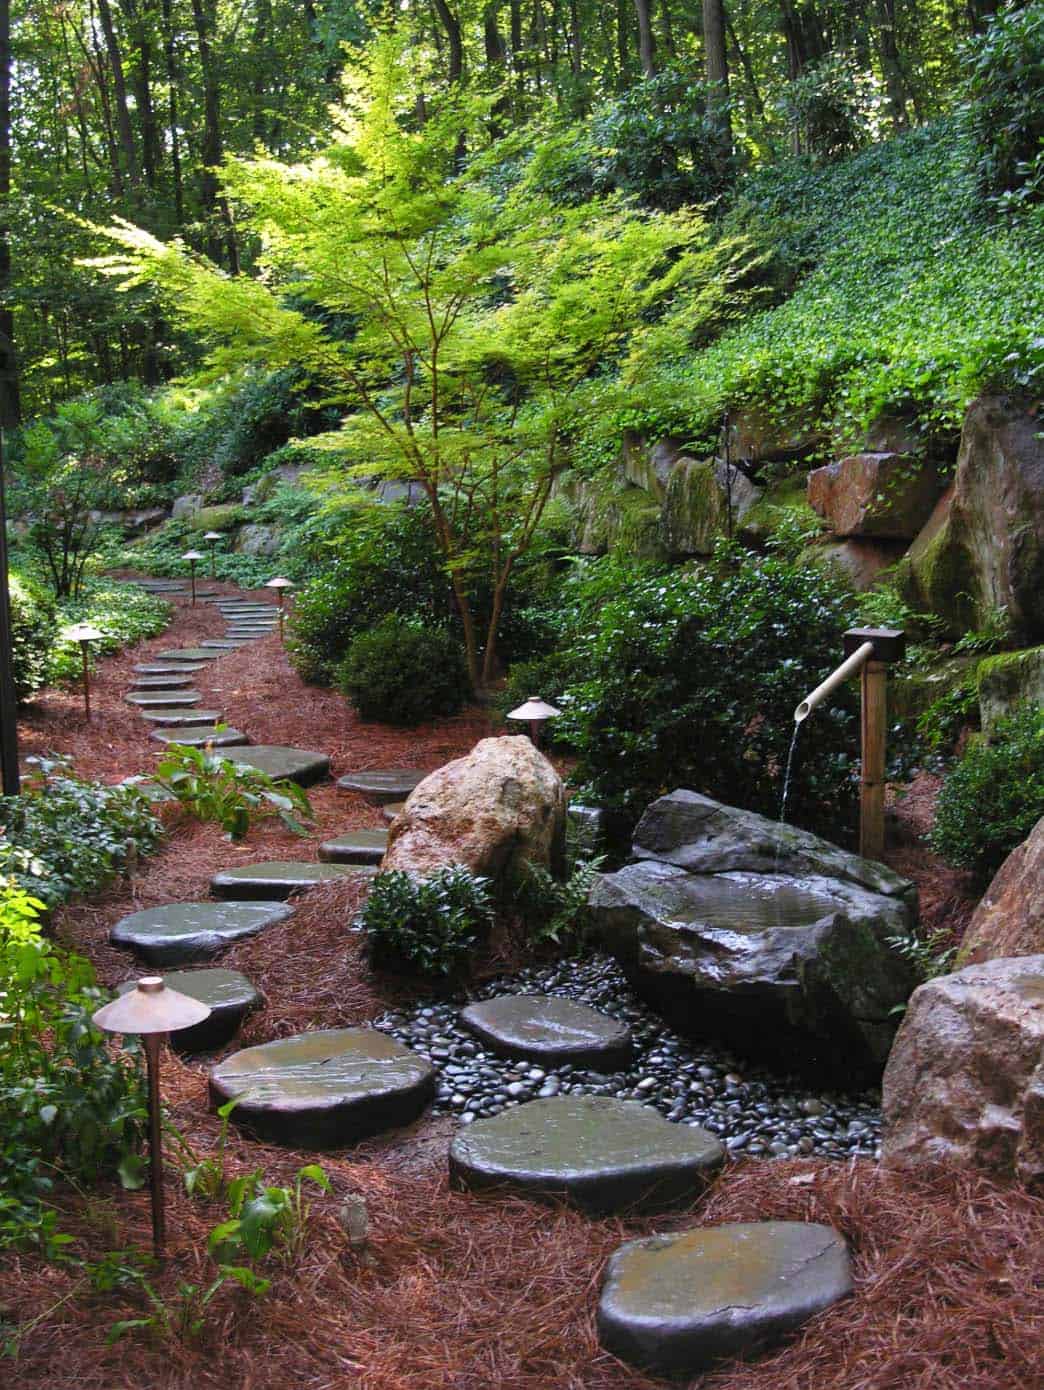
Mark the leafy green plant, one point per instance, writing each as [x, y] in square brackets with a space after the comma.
[1005, 81]
[32, 635]
[931, 956]
[122, 613]
[402, 673]
[428, 925]
[182, 1318]
[264, 1217]
[553, 909]
[213, 788]
[993, 634]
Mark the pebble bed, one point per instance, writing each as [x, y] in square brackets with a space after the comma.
[751, 1109]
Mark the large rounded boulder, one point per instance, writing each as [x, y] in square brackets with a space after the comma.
[1009, 920]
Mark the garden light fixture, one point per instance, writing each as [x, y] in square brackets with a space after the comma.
[84, 634]
[213, 537]
[280, 585]
[536, 713]
[193, 556]
[152, 1010]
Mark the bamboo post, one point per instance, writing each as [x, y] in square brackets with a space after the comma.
[872, 777]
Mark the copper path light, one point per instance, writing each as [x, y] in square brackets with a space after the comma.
[193, 557]
[84, 634]
[535, 712]
[280, 585]
[212, 537]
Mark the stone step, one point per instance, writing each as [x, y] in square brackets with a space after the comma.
[199, 737]
[162, 682]
[280, 762]
[392, 810]
[356, 847]
[547, 1029]
[171, 718]
[156, 699]
[217, 645]
[177, 668]
[179, 933]
[148, 788]
[603, 1154]
[274, 880]
[229, 995]
[382, 785]
[189, 654]
[676, 1304]
[324, 1090]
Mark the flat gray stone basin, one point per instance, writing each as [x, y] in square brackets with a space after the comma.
[546, 1028]
[178, 682]
[275, 879]
[188, 654]
[178, 668]
[324, 1090]
[159, 699]
[604, 1154]
[294, 764]
[171, 718]
[196, 738]
[384, 787]
[230, 996]
[179, 933]
[680, 1303]
[357, 847]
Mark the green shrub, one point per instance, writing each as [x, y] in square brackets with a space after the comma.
[123, 613]
[32, 635]
[428, 925]
[1005, 78]
[214, 788]
[401, 673]
[993, 798]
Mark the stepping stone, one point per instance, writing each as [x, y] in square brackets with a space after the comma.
[157, 699]
[292, 764]
[275, 879]
[179, 933]
[251, 630]
[230, 996]
[188, 654]
[393, 809]
[159, 586]
[383, 787]
[170, 718]
[324, 1090]
[163, 682]
[197, 738]
[206, 593]
[178, 668]
[604, 1154]
[544, 1028]
[152, 790]
[680, 1303]
[217, 645]
[357, 847]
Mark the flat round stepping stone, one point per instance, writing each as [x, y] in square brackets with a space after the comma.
[230, 996]
[324, 1090]
[357, 847]
[159, 699]
[292, 764]
[172, 718]
[680, 1303]
[217, 645]
[545, 1028]
[152, 790]
[393, 809]
[383, 787]
[178, 668]
[275, 879]
[197, 738]
[188, 654]
[163, 682]
[179, 933]
[604, 1154]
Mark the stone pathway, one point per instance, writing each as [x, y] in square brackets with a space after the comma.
[551, 1030]
[230, 997]
[275, 880]
[356, 847]
[383, 787]
[182, 933]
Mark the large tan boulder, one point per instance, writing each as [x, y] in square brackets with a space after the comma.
[964, 1084]
[501, 805]
[1010, 919]
[886, 496]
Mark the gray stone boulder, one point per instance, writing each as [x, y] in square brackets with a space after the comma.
[257, 540]
[881, 495]
[964, 1085]
[1008, 680]
[186, 505]
[1009, 920]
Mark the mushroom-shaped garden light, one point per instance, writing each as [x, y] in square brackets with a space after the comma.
[213, 537]
[193, 557]
[280, 585]
[152, 1010]
[536, 713]
[84, 634]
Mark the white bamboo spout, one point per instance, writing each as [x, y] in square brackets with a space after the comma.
[848, 668]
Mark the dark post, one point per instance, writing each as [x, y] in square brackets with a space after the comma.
[153, 1043]
[8, 699]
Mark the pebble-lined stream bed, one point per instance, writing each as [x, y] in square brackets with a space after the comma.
[751, 1109]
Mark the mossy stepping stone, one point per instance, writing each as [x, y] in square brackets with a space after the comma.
[393, 809]
[189, 737]
[324, 1090]
[292, 764]
[604, 1154]
[170, 718]
[178, 668]
[680, 1303]
[179, 933]
[159, 699]
[163, 682]
[230, 996]
[357, 847]
[188, 654]
[383, 786]
[275, 879]
[544, 1028]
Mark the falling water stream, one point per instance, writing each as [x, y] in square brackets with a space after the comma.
[786, 789]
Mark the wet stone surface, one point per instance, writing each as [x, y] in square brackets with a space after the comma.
[384, 787]
[752, 1109]
[229, 995]
[159, 699]
[198, 737]
[298, 765]
[275, 879]
[179, 933]
[356, 847]
[181, 718]
[547, 1028]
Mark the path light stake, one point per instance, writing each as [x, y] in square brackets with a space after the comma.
[280, 585]
[536, 713]
[213, 537]
[868, 650]
[84, 634]
[193, 556]
[152, 1010]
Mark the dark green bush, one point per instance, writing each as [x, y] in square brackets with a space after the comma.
[428, 925]
[33, 632]
[1005, 67]
[401, 673]
[993, 798]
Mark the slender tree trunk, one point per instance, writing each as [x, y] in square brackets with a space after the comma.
[646, 40]
[576, 51]
[623, 42]
[170, 53]
[745, 64]
[124, 129]
[667, 29]
[888, 49]
[262, 50]
[10, 402]
[451, 24]
[140, 29]
[215, 208]
[716, 67]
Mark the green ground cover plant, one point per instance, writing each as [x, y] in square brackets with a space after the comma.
[430, 925]
[122, 613]
[33, 632]
[213, 788]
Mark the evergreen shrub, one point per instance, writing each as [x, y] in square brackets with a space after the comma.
[33, 632]
[1005, 68]
[428, 925]
[402, 673]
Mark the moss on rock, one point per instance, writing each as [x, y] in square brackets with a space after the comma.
[1008, 680]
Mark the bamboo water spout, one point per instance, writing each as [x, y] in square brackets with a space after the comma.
[869, 651]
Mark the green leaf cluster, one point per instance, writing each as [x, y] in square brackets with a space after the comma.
[426, 925]
[403, 673]
[213, 788]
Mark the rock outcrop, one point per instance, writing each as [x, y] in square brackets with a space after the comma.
[964, 1084]
[1010, 919]
[885, 496]
[1008, 680]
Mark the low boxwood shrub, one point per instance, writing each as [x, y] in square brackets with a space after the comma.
[993, 797]
[428, 925]
[402, 673]
[33, 631]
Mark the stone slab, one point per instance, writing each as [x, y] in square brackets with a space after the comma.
[383, 786]
[391, 810]
[547, 1029]
[680, 1303]
[356, 847]
[188, 654]
[152, 790]
[178, 668]
[158, 699]
[324, 1090]
[217, 645]
[602, 1153]
[179, 933]
[179, 682]
[169, 718]
[230, 997]
[275, 879]
[298, 765]
[196, 738]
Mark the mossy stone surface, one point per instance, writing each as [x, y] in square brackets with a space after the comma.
[1008, 680]
[229, 995]
[222, 517]
[179, 933]
[274, 880]
[548, 1029]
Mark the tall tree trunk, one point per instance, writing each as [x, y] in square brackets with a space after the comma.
[667, 29]
[576, 50]
[215, 208]
[170, 54]
[124, 129]
[748, 70]
[496, 62]
[716, 67]
[10, 401]
[451, 24]
[140, 29]
[623, 42]
[888, 48]
[646, 39]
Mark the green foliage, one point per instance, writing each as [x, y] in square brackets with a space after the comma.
[994, 796]
[263, 1218]
[428, 925]
[830, 107]
[1005, 84]
[553, 909]
[213, 788]
[403, 673]
[33, 630]
[931, 956]
[123, 613]
[942, 722]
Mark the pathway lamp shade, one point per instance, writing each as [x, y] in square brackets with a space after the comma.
[214, 536]
[193, 555]
[279, 583]
[535, 712]
[83, 633]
